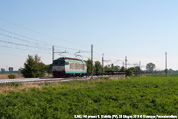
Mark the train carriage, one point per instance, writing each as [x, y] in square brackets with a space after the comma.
[66, 67]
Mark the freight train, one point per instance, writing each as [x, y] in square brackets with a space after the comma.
[68, 67]
[72, 67]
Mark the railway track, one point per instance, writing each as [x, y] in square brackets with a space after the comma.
[48, 80]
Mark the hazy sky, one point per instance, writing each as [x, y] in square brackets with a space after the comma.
[142, 30]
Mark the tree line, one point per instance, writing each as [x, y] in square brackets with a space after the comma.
[34, 68]
[97, 67]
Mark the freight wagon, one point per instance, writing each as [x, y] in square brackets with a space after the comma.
[68, 67]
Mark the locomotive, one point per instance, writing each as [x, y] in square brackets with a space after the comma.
[68, 67]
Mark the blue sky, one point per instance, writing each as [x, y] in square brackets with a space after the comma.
[142, 30]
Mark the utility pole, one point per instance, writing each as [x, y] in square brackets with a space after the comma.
[140, 66]
[102, 64]
[126, 62]
[91, 61]
[52, 54]
[166, 71]
[56, 52]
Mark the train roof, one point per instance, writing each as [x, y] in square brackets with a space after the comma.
[64, 58]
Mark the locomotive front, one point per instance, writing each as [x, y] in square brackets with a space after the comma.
[68, 67]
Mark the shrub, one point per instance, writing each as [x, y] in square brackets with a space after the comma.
[129, 72]
[11, 76]
[33, 69]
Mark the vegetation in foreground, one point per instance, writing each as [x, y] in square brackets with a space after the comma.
[152, 95]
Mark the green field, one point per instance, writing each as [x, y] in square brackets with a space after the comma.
[146, 95]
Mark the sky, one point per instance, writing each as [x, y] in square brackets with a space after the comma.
[142, 30]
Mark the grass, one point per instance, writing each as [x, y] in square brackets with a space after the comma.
[146, 95]
[17, 87]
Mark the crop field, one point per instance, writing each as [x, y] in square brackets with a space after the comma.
[144, 95]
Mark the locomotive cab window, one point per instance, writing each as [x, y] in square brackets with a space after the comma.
[61, 63]
[55, 62]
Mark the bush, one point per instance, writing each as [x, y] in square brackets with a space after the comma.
[129, 72]
[11, 76]
[32, 68]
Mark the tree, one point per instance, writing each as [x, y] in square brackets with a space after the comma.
[123, 69]
[48, 69]
[88, 63]
[115, 68]
[166, 71]
[41, 69]
[97, 67]
[137, 69]
[107, 68]
[33, 69]
[150, 67]
[129, 71]
[171, 70]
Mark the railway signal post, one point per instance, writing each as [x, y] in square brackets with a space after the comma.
[166, 70]
[91, 61]
[126, 62]
[102, 64]
[52, 54]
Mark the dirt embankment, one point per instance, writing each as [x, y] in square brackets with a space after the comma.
[5, 76]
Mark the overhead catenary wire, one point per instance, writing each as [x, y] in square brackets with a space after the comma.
[34, 40]
[23, 40]
[37, 45]
[111, 60]
[41, 43]
[24, 45]
[102, 51]
[25, 49]
[43, 34]
[10, 54]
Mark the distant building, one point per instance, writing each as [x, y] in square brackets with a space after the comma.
[2, 70]
[10, 69]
